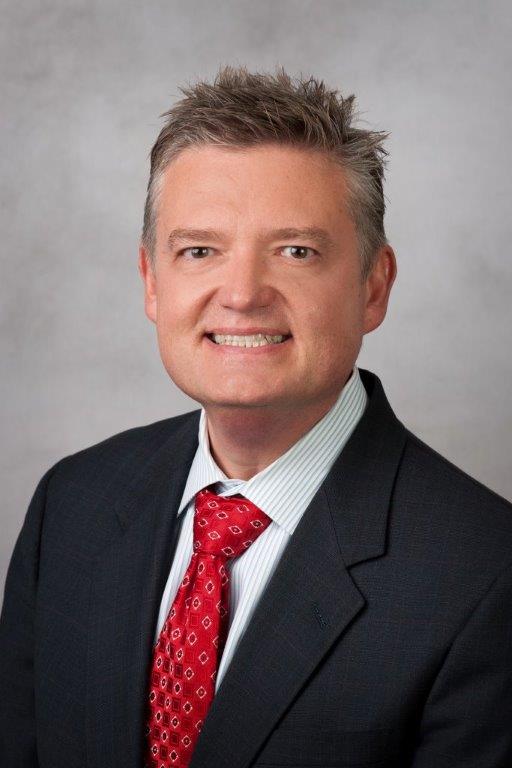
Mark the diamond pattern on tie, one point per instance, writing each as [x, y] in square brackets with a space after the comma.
[188, 652]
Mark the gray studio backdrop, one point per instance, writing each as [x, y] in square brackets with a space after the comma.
[82, 85]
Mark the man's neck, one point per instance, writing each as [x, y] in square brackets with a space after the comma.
[244, 441]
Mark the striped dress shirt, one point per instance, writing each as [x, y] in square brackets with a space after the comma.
[283, 490]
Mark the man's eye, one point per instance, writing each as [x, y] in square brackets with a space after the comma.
[197, 252]
[299, 251]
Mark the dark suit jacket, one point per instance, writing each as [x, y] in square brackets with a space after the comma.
[384, 637]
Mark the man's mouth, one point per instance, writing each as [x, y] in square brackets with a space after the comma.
[247, 340]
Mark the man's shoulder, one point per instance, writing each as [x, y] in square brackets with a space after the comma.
[77, 502]
[121, 454]
[450, 510]
[427, 476]
[444, 478]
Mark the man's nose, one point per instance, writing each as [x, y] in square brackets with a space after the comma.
[246, 282]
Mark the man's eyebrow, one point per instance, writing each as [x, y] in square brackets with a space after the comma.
[190, 235]
[321, 236]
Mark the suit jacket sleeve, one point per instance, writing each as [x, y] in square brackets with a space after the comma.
[468, 715]
[17, 721]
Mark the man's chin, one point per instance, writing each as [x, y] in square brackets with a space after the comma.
[237, 398]
[237, 402]
[237, 393]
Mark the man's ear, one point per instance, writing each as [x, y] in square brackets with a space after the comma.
[147, 273]
[378, 286]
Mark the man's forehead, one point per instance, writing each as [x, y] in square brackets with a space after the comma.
[271, 195]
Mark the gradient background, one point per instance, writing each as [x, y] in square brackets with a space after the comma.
[82, 85]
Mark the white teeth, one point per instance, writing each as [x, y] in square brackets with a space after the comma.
[257, 340]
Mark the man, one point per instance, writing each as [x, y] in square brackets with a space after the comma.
[287, 577]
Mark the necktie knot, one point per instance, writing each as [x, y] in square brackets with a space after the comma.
[226, 526]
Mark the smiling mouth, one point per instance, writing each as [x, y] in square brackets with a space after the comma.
[247, 340]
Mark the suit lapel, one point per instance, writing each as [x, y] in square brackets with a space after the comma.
[127, 586]
[311, 597]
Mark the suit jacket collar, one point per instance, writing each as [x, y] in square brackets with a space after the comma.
[360, 484]
[345, 523]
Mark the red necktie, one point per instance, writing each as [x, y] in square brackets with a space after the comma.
[187, 655]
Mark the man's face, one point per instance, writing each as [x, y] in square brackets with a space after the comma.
[259, 241]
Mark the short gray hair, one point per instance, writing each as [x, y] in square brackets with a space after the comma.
[243, 109]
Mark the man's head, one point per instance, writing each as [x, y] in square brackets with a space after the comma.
[264, 215]
[244, 109]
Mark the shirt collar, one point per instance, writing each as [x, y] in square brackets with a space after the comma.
[285, 488]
